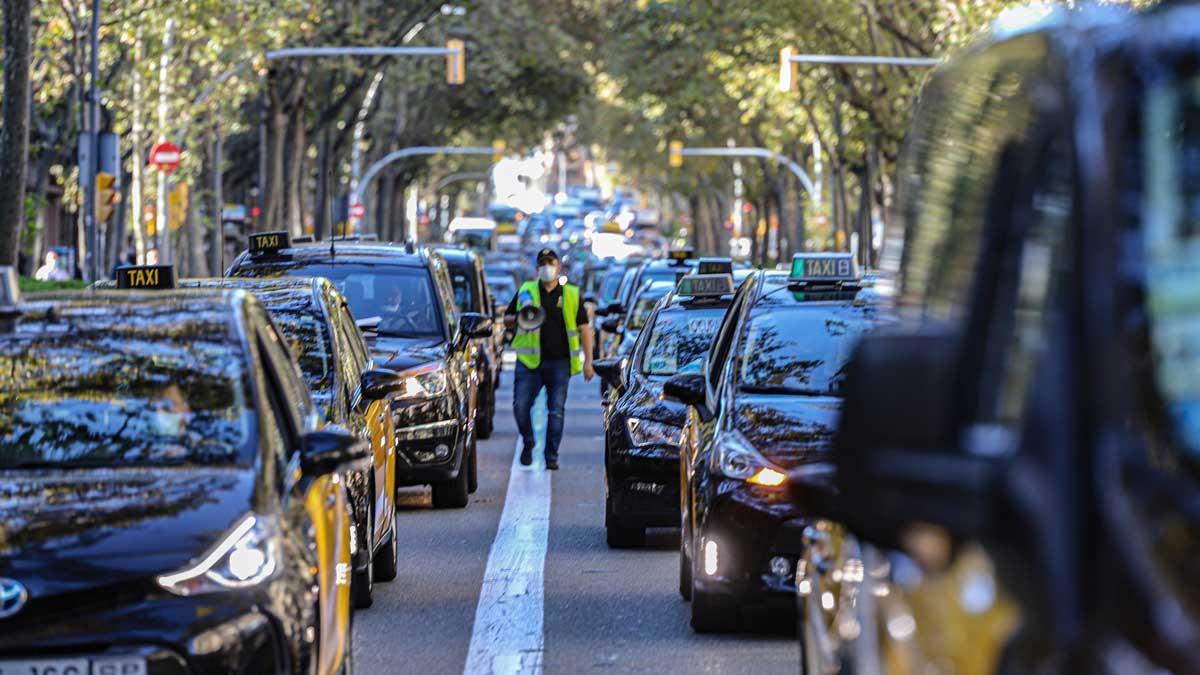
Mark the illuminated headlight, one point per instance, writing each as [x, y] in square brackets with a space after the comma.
[646, 432]
[244, 557]
[425, 382]
[736, 458]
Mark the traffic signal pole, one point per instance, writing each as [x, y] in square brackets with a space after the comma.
[91, 267]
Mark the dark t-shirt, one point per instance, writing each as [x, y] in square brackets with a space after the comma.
[553, 335]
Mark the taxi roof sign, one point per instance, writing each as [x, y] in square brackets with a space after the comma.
[151, 277]
[681, 254]
[269, 242]
[705, 285]
[824, 267]
[715, 266]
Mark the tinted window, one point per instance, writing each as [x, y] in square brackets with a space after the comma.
[395, 300]
[109, 388]
[679, 340]
[949, 172]
[610, 285]
[308, 338]
[799, 350]
[643, 307]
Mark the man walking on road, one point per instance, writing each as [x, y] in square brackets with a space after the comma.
[549, 355]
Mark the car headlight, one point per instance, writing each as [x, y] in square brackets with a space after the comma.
[735, 457]
[647, 432]
[424, 382]
[246, 556]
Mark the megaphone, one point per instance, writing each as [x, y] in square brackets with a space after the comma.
[530, 317]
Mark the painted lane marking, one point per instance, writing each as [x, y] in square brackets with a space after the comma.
[508, 636]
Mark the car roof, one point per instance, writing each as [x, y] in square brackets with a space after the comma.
[457, 256]
[223, 306]
[343, 252]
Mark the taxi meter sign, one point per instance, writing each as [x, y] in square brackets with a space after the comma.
[824, 267]
[154, 277]
[262, 243]
[701, 285]
[165, 156]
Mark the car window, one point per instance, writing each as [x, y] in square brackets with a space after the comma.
[117, 394]
[286, 375]
[719, 353]
[679, 340]
[799, 350]
[397, 300]
[445, 292]
[949, 169]
[643, 307]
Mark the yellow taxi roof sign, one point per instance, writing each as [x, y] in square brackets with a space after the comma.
[148, 277]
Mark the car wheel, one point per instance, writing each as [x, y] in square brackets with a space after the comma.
[619, 533]
[473, 468]
[452, 494]
[387, 561]
[712, 613]
[363, 582]
[483, 422]
[685, 571]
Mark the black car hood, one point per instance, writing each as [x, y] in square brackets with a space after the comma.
[62, 531]
[400, 354]
[645, 400]
[788, 430]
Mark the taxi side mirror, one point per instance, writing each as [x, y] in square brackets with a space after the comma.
[611, 325]
[689, 390]
[326, 451]
[614, 308]
[610, 370]
[380, 383]
[475, 325]
[898, 449]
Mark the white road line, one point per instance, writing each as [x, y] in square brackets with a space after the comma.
[507, 636]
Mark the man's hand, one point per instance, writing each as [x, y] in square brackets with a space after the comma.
[588, 371]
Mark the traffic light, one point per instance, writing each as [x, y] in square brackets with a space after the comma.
[456, 63]
[787, 70]
[498, 148]
[676, 154]
[107, 196]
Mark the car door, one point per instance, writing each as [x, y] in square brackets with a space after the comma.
[461, 353]
[375, 416]
[324, 498]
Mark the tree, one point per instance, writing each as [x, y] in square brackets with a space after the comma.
[14, 136]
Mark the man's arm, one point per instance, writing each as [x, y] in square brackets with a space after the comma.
[584, 326]
[510, 314]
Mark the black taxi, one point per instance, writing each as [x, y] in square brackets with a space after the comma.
[765, 403]
[403, 301]
[642, 428]
[472, 296]
[169, 503]
[347, 391]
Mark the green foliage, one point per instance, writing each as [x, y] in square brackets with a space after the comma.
[30, 285]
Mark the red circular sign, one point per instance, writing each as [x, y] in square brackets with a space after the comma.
[165, 156]
[357, 210]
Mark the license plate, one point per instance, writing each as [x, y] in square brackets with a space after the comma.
[121, 665]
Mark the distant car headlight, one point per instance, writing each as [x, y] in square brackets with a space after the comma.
[248, 555]
[647, 432]
[424, 382]
[735, 457]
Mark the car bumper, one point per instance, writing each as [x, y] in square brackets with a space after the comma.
[749, 526]
[643, 484]
[429, 440]
[169, 634]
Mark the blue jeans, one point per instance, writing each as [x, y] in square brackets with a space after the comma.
[554, 375]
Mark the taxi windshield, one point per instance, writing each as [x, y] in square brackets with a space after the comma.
[679, 341]
[96, 392]
[799, 350]
[643, 307]
[308, 338]
[386, 299]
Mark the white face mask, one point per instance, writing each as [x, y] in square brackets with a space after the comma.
[548, 273]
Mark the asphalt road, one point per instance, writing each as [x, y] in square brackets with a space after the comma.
[588, 609]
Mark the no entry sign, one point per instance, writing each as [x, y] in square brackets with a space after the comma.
[357, 210]
[165, 156]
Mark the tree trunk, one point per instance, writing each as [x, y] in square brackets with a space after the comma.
[296, 152]
[14, 136]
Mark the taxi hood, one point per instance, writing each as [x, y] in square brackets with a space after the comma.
[788, 430]
[400, 354]
[75, 529]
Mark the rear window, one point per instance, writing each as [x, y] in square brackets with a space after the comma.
[799, 350]
[98, 387]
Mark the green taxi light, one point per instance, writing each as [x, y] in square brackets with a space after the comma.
[824, 267]
[705, 285]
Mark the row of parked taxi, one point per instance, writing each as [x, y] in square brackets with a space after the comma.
[205, 470]
[1004, 478]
